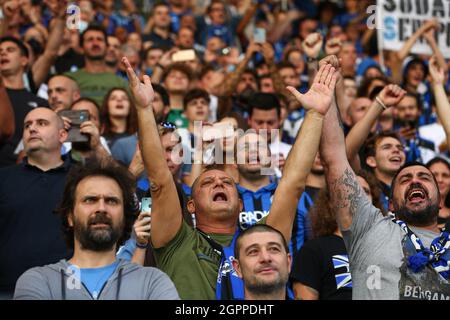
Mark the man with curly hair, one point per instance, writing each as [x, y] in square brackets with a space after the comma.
[98, 210]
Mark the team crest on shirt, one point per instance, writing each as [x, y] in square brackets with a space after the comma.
[226, 268]
[250, 218]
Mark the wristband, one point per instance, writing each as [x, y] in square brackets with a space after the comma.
[141, 246]
[160, 65]
[380, 103]
[309, 59]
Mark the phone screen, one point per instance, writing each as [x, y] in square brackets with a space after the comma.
[146, 204]
[77, 117]
[259, 36]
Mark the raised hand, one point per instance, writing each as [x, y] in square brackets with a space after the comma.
[432, 24]
[89, 128]
[391, 95]
[335, 63]
[143, 93]
[268, 52]
[436, 72]
[251, 49]
[312, 45]
[429, 35]
[10, 8]
[166, 58]
[320, 95]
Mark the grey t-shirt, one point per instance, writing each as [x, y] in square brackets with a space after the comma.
[377, 249]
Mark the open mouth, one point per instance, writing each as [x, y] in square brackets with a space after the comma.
[220, 197]
[396, 160]
[416, 195]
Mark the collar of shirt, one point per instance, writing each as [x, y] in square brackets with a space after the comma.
[64, 167]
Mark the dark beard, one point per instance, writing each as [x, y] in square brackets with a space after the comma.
[98, 240]
[111, 64]
[96, 58]
[260, 288]
[421, 218]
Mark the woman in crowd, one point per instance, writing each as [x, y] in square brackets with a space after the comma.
[119, 115]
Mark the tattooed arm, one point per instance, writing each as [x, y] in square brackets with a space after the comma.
[345, 192]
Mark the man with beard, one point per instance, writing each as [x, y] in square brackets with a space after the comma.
[95, 79]
[98, 210]
[404, 258]
[263, 262]
[113, 54]
[406, 123]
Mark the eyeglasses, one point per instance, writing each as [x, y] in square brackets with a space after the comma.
[168, 125]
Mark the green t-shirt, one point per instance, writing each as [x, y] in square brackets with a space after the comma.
[177, 117]
[191, 263]
[96, 85]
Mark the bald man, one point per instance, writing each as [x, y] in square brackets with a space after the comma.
[62, 92]
[30, 234]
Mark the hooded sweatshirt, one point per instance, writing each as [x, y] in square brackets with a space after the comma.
[128, 282]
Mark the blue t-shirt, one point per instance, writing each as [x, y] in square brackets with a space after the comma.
[95, 278]
[256, 205]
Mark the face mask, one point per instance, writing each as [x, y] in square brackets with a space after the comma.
[82, 25]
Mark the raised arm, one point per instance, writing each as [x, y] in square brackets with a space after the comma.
[166, 224]
[269, 57]
[334, 47]
[344, 189]
[278, 29]
[442, 104]
[7, 122]
[247, 17]
[430, 37]
[231, 80]
[390, 96]
[312, 46]
[43, 64]
[299, 162]
[406, 49]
